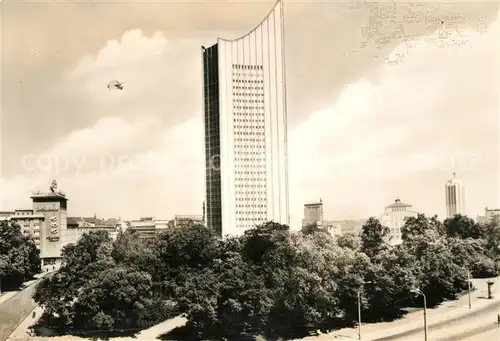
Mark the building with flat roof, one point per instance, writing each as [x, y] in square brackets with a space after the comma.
[78, 226]
[145, 227]
[186, 220]
[455, 197]
[245, 116]
[342, 227]
[313, 213]
[491, 215]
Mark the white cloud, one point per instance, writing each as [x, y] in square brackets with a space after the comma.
[434, 107]
[162, 181]
[377, 141]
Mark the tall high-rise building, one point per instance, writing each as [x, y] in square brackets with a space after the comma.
[455, 197]
[246, 128]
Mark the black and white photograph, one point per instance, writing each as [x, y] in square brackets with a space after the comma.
[255, 170]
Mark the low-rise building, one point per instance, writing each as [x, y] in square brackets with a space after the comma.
[331, 227]
[491, 215]
[186, 220]
[161, 225]
[348, 226]
[145, 227]
[78, 226]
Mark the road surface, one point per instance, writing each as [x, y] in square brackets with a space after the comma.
[491, 334]
[442, 331]
[17, 307]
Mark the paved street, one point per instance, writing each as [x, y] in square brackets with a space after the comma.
[487, 333]
[15, 307]
[454, 329]
[453, 314]
[14, 310]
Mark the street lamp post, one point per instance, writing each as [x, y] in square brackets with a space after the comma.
[468, 287]
[359, 314]
[420, 292]
[359, 311]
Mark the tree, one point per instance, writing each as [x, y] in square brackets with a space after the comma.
[393, 275]
[420, 226]
[268, 245]
[492, 240]
[82, 262]
[103, 286]
[374, 237]
[19, 257]
[137, 253]
[117, 298]
[463, 227]
[350, 241]
[267, 281]
[312, 228]
[183, 252]
[307, 298]
[351, 268]
[233, 300]
[472, 254]
[441, 278]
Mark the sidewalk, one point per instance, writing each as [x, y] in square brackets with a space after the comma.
[446, 311]
[21, 332]
[9, 294]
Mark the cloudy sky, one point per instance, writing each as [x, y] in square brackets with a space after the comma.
[379, 108]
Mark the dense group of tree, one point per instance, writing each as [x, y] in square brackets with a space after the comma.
[269, 282]
[19, 257]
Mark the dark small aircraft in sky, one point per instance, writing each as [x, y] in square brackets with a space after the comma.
[115, 85]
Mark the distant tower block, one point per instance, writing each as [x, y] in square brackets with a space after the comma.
[455, 197]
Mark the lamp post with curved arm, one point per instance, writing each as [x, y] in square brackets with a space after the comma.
[419, 292]
[359, 310]
[468, 287]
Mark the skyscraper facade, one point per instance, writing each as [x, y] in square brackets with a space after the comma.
[246, 128]
[455, 197]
